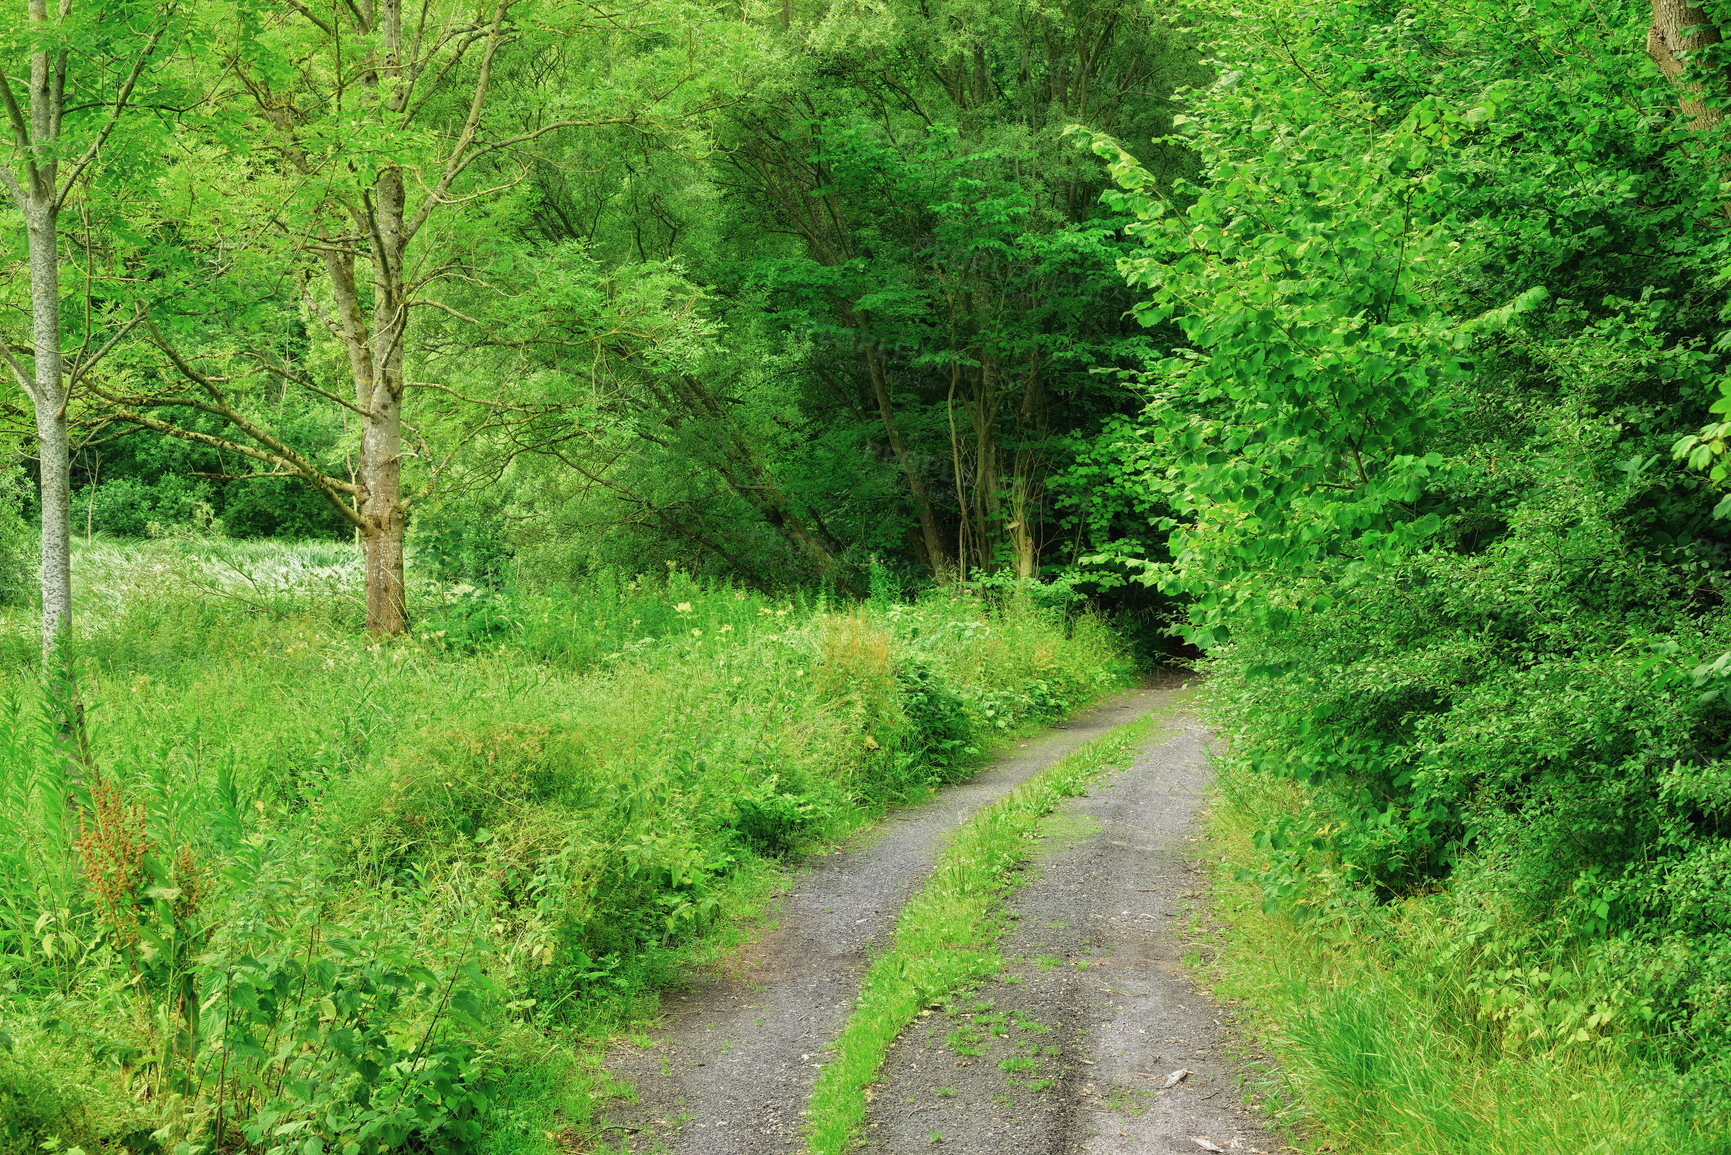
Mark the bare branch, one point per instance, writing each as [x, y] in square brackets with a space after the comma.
[329, 488]
[85, 364]
[20, 141]
[241, 476]
[304, 382]
[310, 15]
[460, 157]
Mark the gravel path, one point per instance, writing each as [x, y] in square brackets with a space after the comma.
[1069, 1050]
[733, 1064]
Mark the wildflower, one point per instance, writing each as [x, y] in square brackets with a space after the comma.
[727, 629]
[696, 633]
[682, 608]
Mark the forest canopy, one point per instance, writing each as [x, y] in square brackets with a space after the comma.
[768, 293]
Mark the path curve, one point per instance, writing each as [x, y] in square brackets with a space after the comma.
[733, 1063]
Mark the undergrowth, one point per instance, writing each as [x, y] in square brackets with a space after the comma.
[297, 891]
[945, 935]
[1395, 1027]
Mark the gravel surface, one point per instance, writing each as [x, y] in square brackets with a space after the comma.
[733, 1063]
[1070, 1049]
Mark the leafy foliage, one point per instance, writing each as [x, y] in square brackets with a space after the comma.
[1440, 331]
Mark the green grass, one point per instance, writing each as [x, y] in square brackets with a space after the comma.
[447, 867]
[945, 937]
[1377, 1032]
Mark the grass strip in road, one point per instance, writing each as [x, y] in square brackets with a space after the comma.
[946, 935]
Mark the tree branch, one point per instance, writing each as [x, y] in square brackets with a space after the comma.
[120, 102]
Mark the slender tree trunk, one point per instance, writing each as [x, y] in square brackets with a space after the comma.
[910, 468]
[381, 479]
[382, 441]
[53, 443]
[988, 508]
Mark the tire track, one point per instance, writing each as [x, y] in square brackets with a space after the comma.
[1068, 1051]
[731, 1067]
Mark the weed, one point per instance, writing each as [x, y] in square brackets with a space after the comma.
[964, 1041]
[1126, 1099]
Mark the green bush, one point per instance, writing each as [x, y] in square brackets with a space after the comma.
[19, 543]
[1444, 529]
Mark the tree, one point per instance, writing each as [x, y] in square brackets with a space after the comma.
[373, 128]
[950, 268]
[1680, 42]
[72, 106]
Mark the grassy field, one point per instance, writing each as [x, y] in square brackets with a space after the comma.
[306, 892]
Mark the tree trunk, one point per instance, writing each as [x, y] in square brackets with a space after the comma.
[387, 605]
[381, 480]
[53, 443]
[382, 442]
[910, 468]
[1682, 29]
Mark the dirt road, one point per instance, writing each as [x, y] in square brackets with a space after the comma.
[1071, 1048]
[1097, 980]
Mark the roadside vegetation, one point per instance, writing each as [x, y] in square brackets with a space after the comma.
[306, 891]
[1442, 454]
[481, 482]
[1384, 1028]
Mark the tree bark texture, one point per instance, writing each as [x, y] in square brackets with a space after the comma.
[40, 207]
[54, 447]
[1680, 33]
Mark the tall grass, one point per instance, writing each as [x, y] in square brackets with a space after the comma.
[1378, 1025]
[425, 866]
